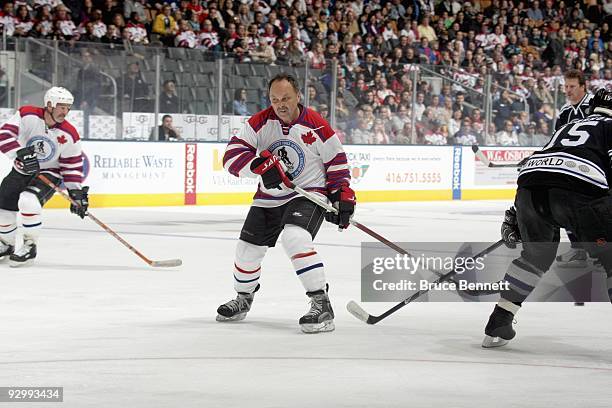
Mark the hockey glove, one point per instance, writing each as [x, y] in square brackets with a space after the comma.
[81, 202]
[270, 169]
[509, 229]
[344, 200]
[26, 161]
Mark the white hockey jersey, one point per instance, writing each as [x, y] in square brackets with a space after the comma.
[58, 148]
[309, 149]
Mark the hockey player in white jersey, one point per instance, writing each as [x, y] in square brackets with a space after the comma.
[287, 139]
[38, 140]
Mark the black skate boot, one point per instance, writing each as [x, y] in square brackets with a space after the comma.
[236, 309]
[5, 249]
[25, 255]
[320, 317]
[499, 328]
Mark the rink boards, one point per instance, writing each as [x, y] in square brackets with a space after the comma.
[166, 174]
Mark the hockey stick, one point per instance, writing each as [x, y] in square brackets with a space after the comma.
[481, 156]
[382, 239]
[364, 316]
[158, 264]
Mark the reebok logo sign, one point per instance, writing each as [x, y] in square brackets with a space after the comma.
[191, 158]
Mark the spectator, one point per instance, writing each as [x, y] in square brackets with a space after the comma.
[466, 135]
[165, 132]
[165, 26]
[135, 6]
[454, 124]
[109, 10]
[362, 134]
[24, 22]
[88, 88]
[379, 133]
[240, 103]
[168, 100]
[208, 37]
[135, 30]
[134, 90]
[263, 53]
[507, 136]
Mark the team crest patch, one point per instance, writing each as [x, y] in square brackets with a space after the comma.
[44, 147]
[291, 154]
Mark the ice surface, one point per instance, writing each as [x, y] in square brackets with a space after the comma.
[92, 317]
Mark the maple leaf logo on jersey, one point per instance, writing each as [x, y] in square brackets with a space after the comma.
[61, 139]
[308, 138]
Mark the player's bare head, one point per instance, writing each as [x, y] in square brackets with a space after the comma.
[575, 85]
[284, 92]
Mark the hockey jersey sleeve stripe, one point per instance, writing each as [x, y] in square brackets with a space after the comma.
[240, 162]
[71, 166]
[6, 136]
[10, 128]
[344, 173]
[70, 160]
[7, 147]
[77, 171]
[340, 158]
[230, 154]
[237, 141]
[72, 179]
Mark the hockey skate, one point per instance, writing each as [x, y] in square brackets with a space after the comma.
[5, 249]
[236, 309]
[499, 328]
[320, 317]
[24, 256]
[574, 258]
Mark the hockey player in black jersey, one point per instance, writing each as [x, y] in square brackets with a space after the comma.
[577, 105]
[565, 185]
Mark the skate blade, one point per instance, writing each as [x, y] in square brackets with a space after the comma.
[326, 326]
[16, 264]
[491, 342]
[238, 317]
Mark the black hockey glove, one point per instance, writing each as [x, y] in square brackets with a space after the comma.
[26, 161]
[81, 201]
[344, 200]
[509, 229]
[270, 169]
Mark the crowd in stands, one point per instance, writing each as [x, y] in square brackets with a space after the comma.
[525, 47]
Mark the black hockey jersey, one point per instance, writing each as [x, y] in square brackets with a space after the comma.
[571, 112]
[576, 158]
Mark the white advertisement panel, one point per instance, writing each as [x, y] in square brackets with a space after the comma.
[212, 178]
[138, 126]
[379, 167]
[478, 176]
[134, 168]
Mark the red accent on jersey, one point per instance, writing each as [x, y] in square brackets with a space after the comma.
[70, 160]
[68, 128]
[315, 121]
[29, 215]
[61, 139]
[260, 118]
[32, 110]
[10, 128]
